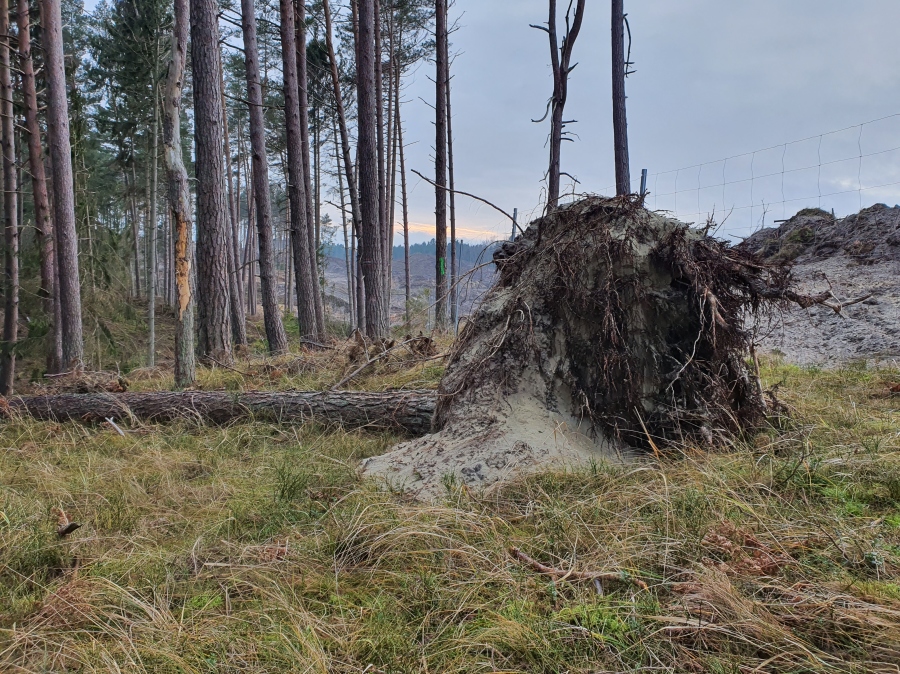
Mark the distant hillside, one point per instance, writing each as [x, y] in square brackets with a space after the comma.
[469, 254]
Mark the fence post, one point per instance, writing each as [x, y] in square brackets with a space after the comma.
[643, 182]
[515, 224]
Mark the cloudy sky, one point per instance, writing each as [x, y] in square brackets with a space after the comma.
[716, 81]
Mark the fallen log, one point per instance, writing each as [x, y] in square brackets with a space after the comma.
[409, 411]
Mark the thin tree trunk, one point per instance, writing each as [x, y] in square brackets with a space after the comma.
[212, 210]
[317, 183]
[405, 205]
[620, 119]
[238, 321]
[368, 104]
[303, 90]
[301, 240]
[382, 188]
[390, 168]
[288, 262]
[560, 58]
[337, 159]
[440, 166]
[63, 186]
[151, 259]
[275, 334]
[358, 301]
[10, 212]
[252, 247]
[454, 263]
[180, 199]
[135, 225]
[40, 195]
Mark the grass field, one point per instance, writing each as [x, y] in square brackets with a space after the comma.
[256, 548]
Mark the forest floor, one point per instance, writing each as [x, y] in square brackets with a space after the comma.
[257, 548]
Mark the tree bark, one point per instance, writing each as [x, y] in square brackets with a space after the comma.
[63, 186]
[10, 212]
[179, 199]
[409, 411]
[311, 210]
[372, 249]
[304, 273]
[440, 166]
[620, 119]
[40, 195]
[213, 290]
[275, 334]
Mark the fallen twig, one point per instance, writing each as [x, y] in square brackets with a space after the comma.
[228, 367]
[309, 342]
[370, 362]
[559, 574]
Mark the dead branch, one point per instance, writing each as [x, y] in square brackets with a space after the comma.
[471, 196]
[559, 574]
[371, 362]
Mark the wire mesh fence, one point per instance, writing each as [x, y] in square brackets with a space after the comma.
[841, 171]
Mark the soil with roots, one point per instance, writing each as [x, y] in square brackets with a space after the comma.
[611, 330]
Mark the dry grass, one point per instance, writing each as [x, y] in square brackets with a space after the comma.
[255, 548]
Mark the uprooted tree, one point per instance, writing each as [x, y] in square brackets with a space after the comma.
[610, 328]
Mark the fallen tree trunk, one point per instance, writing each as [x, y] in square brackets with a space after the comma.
[409, 411]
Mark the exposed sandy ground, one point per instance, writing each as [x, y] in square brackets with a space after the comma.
[856, 255]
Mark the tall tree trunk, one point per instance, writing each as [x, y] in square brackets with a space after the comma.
[303, 90]
[344, 223]
[405, 205]
[454, 263]
[151, 258]
[371, 246]
[63, 186]
[620, 119]
[390, 164]
[275, 334]
[10, 212]
[358, 301]
[135, 225]
[317, 184]
[560, 58]
[251, 266]
[180, 199]
[301, 227]
[212, 210]
[382, 146]
[238, 322]
[440, 166]
[395, 139]
[40, 195]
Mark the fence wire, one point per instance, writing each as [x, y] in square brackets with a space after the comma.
[842, 171]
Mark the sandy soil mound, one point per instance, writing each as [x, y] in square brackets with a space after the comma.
[856, 255]
[609, 327]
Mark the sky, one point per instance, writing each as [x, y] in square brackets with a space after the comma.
[721, 91]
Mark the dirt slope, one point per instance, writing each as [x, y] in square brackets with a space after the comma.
[856, 255]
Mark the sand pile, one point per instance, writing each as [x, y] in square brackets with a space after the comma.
[855, 256]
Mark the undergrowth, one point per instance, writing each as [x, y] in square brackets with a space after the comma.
[256, 548]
